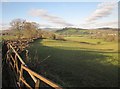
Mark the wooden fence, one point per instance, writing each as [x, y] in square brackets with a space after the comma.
[19, 67]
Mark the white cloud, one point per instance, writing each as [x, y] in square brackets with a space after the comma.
[103, 10]
[48, 17]
[45, 26]
[112, 24]
[92, 25]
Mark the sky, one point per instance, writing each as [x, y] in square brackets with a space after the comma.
[61, 14]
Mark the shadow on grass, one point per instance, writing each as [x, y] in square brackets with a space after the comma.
[72, 68]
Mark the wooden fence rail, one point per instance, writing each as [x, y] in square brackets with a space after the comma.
[18, 66]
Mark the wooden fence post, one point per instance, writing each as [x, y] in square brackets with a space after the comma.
[17, 70]
[21, 73]
[26, 54]
[37, 84]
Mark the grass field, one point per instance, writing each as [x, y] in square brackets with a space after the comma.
[77, 62]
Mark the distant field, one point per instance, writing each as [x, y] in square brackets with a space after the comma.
[78, 62]
[94, 44]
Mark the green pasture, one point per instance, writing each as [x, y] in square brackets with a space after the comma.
[77, 62]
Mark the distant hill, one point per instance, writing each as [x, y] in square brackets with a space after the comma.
[106, 28]
[72, 31]
[81, 31]
[51, 29]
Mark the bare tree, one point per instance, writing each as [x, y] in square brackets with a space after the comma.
[17, 25]
[22, 28]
